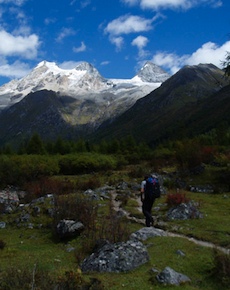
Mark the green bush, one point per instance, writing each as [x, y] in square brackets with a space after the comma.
[2, 244]
[221, 270]
[76, 207]
[15, 279]
[188, 154]
[86, 163]
[18, 169]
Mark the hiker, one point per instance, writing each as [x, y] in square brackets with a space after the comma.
[147, 199]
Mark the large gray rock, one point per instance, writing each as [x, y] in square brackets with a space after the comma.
[170, 277]
[147, 232]
[119, 257]
[2, 225]
[184, 211]
[69, 228]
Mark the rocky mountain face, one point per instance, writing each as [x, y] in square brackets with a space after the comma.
[77, 100]
[152, 73]
[193, 101]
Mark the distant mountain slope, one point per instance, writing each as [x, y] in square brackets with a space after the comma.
[190, 97]
[38, 112]
[53, 101]
[191, 102]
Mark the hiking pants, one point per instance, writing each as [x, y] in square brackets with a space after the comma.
[146, 209]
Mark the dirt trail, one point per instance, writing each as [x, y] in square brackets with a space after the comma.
[117, 207]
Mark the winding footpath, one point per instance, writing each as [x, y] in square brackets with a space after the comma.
[117, 207]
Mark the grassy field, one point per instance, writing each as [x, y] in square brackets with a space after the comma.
[35, 251]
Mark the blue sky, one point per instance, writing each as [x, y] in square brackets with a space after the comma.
[116, 36]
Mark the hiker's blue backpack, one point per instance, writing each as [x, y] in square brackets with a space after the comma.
[152, 187]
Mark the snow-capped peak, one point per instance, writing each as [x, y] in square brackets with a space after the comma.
[48, 75]
[81, 81]
[152, 73]
[85, 66]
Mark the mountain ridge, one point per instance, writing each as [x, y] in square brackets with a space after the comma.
[84, 99]
[177, 105]
[168, 111]
[82, 81]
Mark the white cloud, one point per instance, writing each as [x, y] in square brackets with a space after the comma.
[105, 62]
[118, 42]
[130, 2]
[85, 3]
[15, 70]
[25, 46]
[207, 53]
[140, 42]
[22, 30]
[172, 4]
[72, 2]
[48, 21]
[81, 48]
[15, 2]
[128, 24]
[65, 32]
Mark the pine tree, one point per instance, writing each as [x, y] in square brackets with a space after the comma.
[35, 145]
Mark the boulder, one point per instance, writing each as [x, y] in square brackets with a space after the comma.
[147, 232]
[184, 211]
[69, 228]
[2, 225]
[119, 257]
[91, 194]
[170, 277]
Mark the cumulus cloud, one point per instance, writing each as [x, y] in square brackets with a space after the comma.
[128, 24]
[15, 70]
[207, 53]
[140, 42]
[65, 32]
[25, 46]
[172, 4]
[81, 48]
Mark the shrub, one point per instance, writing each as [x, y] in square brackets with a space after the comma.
[27, 279]
[221, 269]
[207, 154]
[174, 199]
[18, 169]
[137, 172]
[89, 183]
[47, 185]
[86, 163]
[113, 229]
[188, 154]
[76, 207]
[109, 227]
[2, 244]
